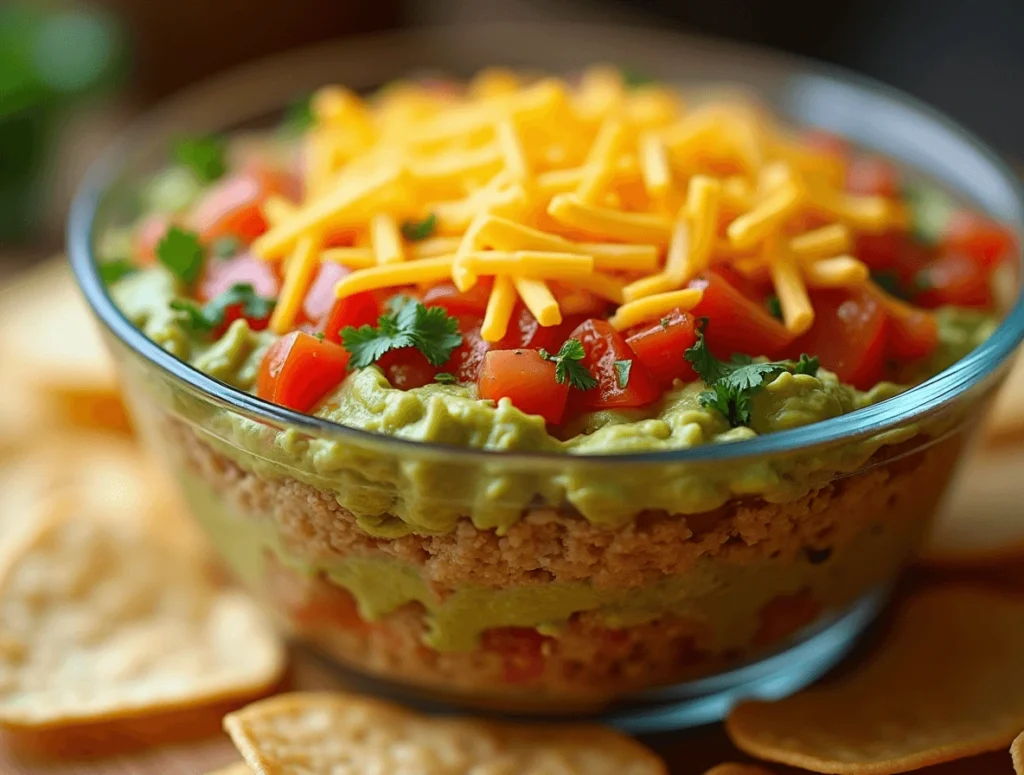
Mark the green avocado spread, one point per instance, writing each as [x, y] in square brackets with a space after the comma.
[395, 492]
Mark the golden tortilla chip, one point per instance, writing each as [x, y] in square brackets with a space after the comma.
[103, 619]
[50, 343]
[737, 769]
[239, 768]
[1017, 754]
[944, 682]
[327, 734]
[981, 519]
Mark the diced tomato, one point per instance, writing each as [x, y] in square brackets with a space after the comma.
[357, 310]
[981, 238]
[407, 368]
[320, 297]
[913, 336]
[299, 369]
[604, 346]
[826, 142]
[954, 278]
[661, 347]
[848, 335]
[737, 324]
[233, 206]
[310, 601]
[148, 233]
[219, 276]
[521, 649]
[872, 176]
[468, 358]
[455, 302]
[525, 332]
[894, 251]
[527, 380]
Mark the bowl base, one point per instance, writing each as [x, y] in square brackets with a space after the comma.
[682, 706]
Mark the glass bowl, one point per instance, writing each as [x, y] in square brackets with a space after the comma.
[651, 589]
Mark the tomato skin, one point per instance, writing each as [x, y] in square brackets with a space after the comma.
[525, 332]
[983, 239]
[604, 345]
[219, 276]
[299, 369]
[356, 310]
[826, 142]
[661, 348]
[407, 368]
[954, 278]
[147, 236]
[468, 358]
[872, 176]
[455, 302]
[914, 337]
[527, 380]
[320, 298]
[233, 206]
[737, 324]
[849, 335]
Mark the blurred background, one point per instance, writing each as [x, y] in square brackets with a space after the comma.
[74, 73]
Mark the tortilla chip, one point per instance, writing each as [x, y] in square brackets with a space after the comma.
[323, 734]
[737, 769]
[51, 344]
[981, 519]
[103, 620]
[238, 768]
[943, 683]
[1017, 754]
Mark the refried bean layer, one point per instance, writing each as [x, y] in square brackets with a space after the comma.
[901, 482]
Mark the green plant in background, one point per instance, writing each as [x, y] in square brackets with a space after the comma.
[50, 57]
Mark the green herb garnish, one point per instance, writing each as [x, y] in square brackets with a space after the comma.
[398, 302]
[622, 369]
[633, 77]
[774, 307]
[226, 247]
[112, 271]
[445, 378]
[414, 231]
[202, 319]
[430, 330]
[732, 383]
[298, 116]
[205, 156]
[319, 336]
[930, 210]
[182, 254]
[568, 366]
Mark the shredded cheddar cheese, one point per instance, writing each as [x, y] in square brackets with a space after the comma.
[564, 193]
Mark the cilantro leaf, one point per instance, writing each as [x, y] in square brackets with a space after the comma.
[298, 116]
[398, 301]
[112, 271]
[774, 307]
[733, 383]
[319, 336]
[622, 369]
[226, 247]
[203, 155]
[633, 77]
[445, 378]
[429, 329]
[181, 253]
[414, 231]
[202, 319]
[568, 366]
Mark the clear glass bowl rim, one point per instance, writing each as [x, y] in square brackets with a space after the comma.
[940, 390]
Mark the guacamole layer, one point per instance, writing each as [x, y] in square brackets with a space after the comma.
[397, 492]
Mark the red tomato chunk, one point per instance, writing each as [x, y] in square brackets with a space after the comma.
[527, 380]
[661, 347]
[604, 346]
[299, 369]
